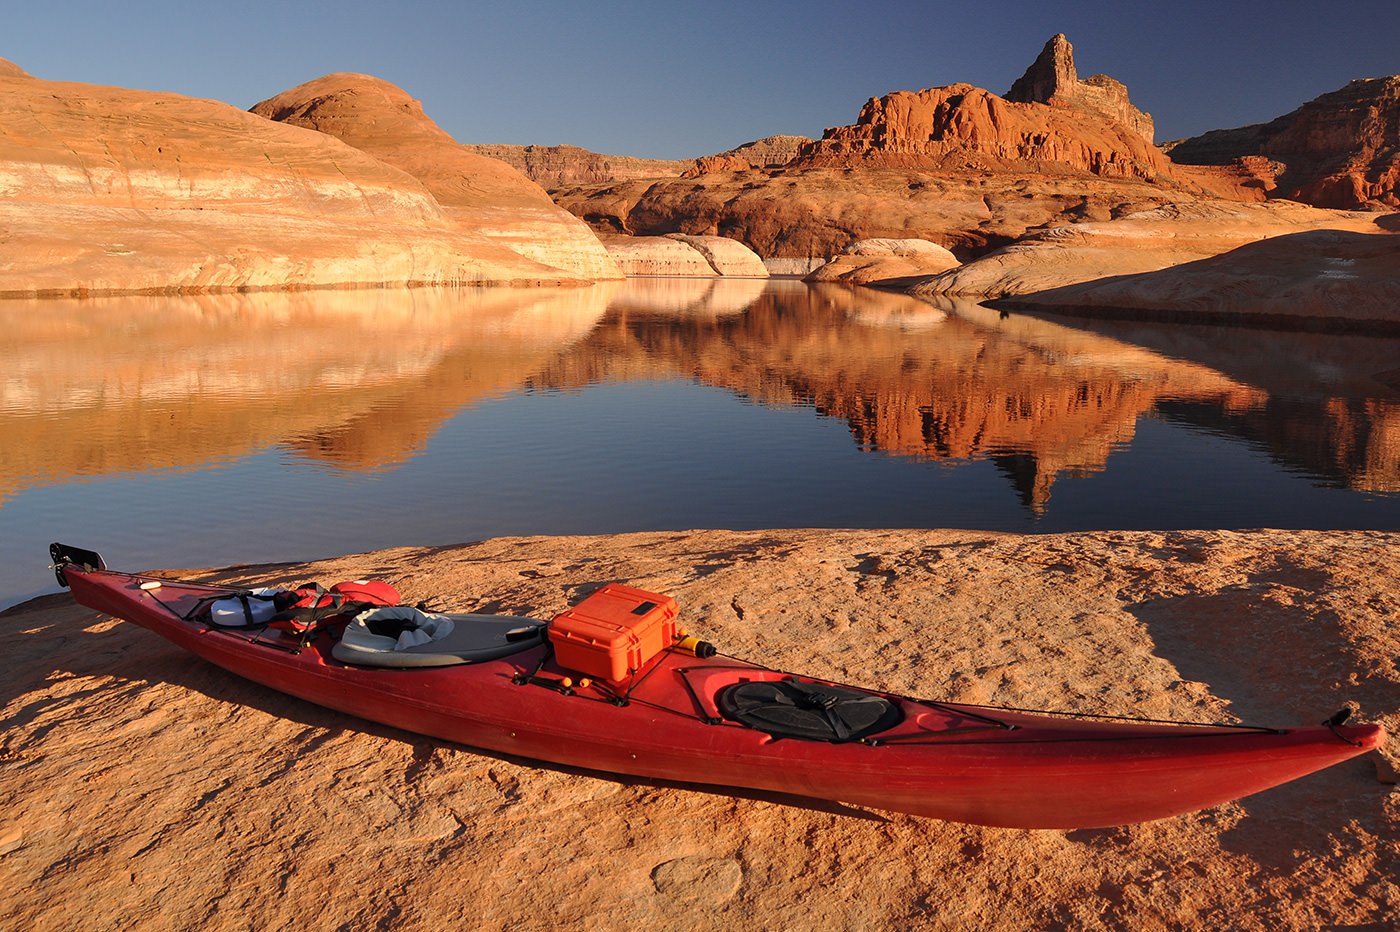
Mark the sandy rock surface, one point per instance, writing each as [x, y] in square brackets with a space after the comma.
[144, 788]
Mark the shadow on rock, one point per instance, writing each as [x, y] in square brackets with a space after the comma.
[1281, 658]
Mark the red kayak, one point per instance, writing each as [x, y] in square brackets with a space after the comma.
[669, 712]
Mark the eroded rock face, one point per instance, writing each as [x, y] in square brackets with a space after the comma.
[1336, 151]
[965, 128]
[484, 196]
[552, 166]
[1049, 121]
[1054, 80]
[107, 190]
[684, 255]
[725, 256]
[768, 152]
[657, 255]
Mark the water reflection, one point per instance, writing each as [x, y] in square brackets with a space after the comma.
[947, 382]
[358, 379]
[1332, 405]
[362, 380]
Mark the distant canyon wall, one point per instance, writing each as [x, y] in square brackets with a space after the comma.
[1341, 149]
[553, 166]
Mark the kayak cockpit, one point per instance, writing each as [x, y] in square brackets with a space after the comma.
[401, 636]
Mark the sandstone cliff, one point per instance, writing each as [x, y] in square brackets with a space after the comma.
[482, 195]
[553, 166]
[155, 791]
[768, 152]
[1338, 150]
[114, 190]
[958, 166]
[1053, 79]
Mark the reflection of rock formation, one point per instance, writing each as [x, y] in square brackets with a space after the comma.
[359, 379]
[1349, 442]
[1039, 399]
[1333, 400]
[698, 297]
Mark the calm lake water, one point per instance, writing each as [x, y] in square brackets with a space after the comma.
[203, 431]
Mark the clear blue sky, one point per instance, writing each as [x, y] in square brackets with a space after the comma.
[668, 79]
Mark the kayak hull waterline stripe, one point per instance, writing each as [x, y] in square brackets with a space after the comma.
[947, 761]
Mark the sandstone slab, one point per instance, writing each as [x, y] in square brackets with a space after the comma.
[887, 262]
[1245, 260]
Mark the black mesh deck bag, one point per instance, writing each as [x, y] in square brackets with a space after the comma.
[814, 711]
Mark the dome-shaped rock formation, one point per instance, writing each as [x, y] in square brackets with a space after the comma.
[108, 190]
[483, 195]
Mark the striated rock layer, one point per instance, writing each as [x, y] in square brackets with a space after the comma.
[154, 790]
[113, 190]
[553, 166]
[768, 152]
[678, 254]
[1338, 150]
[482, 195]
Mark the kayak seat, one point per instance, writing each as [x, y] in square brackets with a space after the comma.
[406, 637]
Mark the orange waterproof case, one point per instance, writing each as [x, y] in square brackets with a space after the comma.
[614, 632]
